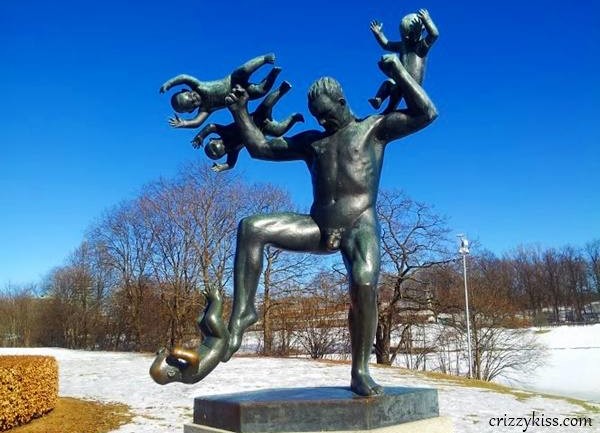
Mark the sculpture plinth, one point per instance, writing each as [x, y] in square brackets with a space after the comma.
[312, 409]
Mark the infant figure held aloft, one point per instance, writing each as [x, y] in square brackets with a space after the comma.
[230, 142]
[208, 96]
[412, 50]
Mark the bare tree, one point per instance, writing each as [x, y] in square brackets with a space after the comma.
[192, 220]
[552, 279]
[530, 279]
[414, 238]
[321, 325]
[575, 281]
[124, 244]
[501, 344]
[593, 252]
[77, 299]
[19, 309]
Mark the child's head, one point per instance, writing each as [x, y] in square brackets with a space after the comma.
[185, 101]
[411, 27]
[215, 149]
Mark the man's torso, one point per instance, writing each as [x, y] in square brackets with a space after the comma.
[345, 169]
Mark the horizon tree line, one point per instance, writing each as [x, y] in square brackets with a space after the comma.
[136, 282]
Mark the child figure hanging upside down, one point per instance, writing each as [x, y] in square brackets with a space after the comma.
[231, 143]
[209, 96]
[412, 50]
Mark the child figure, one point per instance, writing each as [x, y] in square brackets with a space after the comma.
[209, 96]
[412, 50]
[229, 144]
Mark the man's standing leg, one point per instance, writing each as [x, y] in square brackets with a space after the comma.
[360, 250]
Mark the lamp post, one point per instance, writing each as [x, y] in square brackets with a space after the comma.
[464, 250]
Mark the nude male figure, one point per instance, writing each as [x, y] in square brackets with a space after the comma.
[345, 163]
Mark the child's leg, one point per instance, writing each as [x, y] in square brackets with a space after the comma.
[257, 90]
[205, 132]
[232, 158]
[242, 74]
[382, 93]
[264, 111]
[395, 98]
[277, 129]
[273, 97]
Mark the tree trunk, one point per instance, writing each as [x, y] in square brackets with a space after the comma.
[383, 341]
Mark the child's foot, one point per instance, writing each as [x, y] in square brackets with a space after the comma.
[375, 102]
[270, 58]
[285, 86]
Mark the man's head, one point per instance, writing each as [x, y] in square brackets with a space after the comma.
[327, 103]
[185, 101]
[411, 28]
[215, 149]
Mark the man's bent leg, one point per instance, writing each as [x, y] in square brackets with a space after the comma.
[288, 231]
[360, 250]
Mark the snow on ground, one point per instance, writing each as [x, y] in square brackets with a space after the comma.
[123, 377]
[572, 367]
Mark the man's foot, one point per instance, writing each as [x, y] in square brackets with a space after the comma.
[375, 103]
[236, 332]
[363, 384]
[298, 117]
[270, 58]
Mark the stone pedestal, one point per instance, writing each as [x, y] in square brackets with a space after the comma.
[317, 410]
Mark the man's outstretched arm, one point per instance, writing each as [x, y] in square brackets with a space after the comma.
[276, 149]
[420, 110]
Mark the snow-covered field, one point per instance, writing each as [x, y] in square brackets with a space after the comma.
[573, 364]
[123, 377]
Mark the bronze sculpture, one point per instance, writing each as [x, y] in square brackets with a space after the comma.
[230, 142]
[412, 50]
[209, 96]
[345, 162]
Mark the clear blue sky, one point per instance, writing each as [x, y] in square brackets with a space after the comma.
[514, 157]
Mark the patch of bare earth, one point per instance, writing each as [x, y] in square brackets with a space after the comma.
[72, 415]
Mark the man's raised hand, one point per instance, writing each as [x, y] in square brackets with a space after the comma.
[237, 99]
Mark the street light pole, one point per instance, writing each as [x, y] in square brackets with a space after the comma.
[464, 250]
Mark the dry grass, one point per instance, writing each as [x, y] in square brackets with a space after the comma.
[520, 395]
[79, 416]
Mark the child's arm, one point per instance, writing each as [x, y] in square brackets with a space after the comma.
[432, 31]
[376, 28]
[178, 122]
[232, 158]
[180, 79]
[211, 128]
